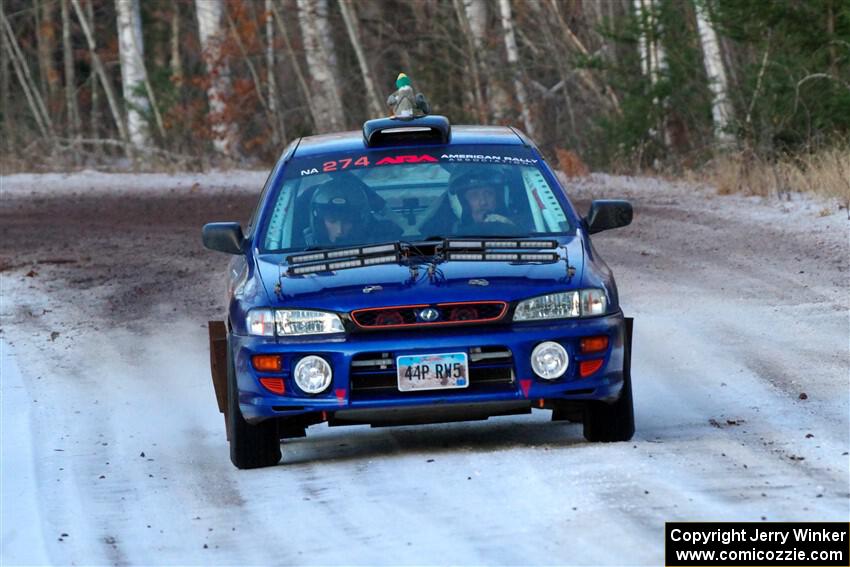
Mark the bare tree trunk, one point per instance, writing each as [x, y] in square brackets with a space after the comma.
[721, 106]
[472, 62]
[209, 26]
[94, 113]
[653, 58]
[349, 15]
[28, 85]
[176, 62]
[71, 104]
[296, 66]
[271, 83]
[496, 98]
[255, 76]
[131, 52]
[312, 17]
[513, 62]
[46, 37]
[590, 80]
[104, 79]
[8, 141]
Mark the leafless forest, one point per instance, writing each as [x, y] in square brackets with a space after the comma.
[614, 84]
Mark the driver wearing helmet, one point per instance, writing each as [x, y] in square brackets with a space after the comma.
[340, 214]
[481, 195]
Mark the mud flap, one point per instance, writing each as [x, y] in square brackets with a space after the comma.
[218, 362]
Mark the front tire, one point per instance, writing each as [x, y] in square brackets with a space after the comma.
[608, 423]
[251, 446]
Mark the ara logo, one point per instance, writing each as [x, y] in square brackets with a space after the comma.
[429, 314]
[395, 160]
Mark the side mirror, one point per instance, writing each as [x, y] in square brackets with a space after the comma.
[608, 214]
[224, 237]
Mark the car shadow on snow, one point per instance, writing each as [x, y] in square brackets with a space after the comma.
[362, 442]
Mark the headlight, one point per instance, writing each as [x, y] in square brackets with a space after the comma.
[292, 322]
[300, 322]
[313, 374]
[583, 303]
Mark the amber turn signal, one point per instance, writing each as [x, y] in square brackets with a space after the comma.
[266, 362]
[588, 367]
[594, 344]
[274, 385]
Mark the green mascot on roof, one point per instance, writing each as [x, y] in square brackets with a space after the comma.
[404, 102]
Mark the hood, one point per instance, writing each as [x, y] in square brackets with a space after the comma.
[391, 284]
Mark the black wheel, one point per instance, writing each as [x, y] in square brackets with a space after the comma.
[251, 446]
[606, 423]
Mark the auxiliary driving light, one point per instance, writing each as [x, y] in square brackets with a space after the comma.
[549, 360]
[313, 374]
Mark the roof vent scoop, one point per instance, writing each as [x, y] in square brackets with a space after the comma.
[431, 128]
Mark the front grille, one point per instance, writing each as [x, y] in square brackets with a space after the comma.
[442, 313]
[373, 374]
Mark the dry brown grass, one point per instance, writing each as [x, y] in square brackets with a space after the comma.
[826, 173]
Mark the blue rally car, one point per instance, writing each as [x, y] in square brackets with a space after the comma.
[416, 272]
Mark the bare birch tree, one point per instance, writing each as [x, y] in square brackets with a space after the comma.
[722, 111]
[313, 20]
[71, 105]
[46, 37]
[653, 58]
[475, 92]
[496, 98]
[513, 62]
[131, 53]
[104, 78]
[209, 13]
[28, 84]
[296, 65]
[271, 81]
[349, 15]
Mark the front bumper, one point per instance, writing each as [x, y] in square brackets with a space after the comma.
[505, 379]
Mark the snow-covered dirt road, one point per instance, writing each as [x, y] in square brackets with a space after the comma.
[113, 451]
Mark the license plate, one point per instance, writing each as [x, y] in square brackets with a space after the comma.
[432, 371]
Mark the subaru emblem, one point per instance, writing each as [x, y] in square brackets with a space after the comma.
[429, 314]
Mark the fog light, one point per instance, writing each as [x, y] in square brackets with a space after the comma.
[549, 360]
[313, 374]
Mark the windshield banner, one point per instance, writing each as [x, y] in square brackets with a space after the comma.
[329, 163]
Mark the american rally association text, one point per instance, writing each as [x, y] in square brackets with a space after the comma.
[755, 534]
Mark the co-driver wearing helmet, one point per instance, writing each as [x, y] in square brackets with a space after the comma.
[340, 214]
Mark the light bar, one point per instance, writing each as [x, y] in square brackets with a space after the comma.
[312, 269]
[380, 248]
[465, 244]
[502, 244]
[345, 264]
[342, 253]
[501, 256]
[306, 258]
[465, 256]
[380, 260]
[544, 257]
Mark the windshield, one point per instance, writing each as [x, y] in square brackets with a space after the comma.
[412, 195]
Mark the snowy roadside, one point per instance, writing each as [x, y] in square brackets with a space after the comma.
[21, 538]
